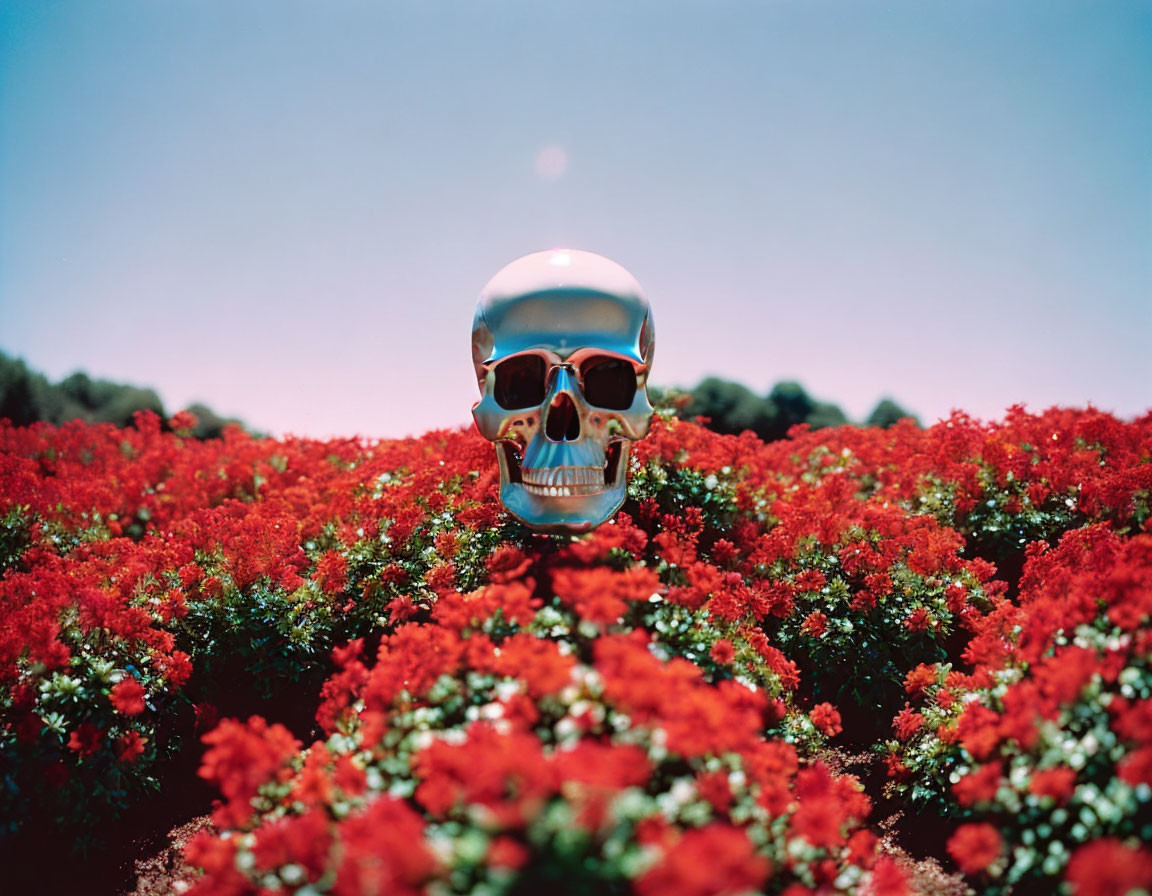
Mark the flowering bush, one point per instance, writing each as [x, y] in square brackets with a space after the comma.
[519, 746]
[172, 570]
[854, 588]
[1050, 737]
[645, 708]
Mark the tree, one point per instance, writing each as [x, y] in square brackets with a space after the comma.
[27, 397]
[16, 400]
[731, 408]
[887, 413]
[209, 424]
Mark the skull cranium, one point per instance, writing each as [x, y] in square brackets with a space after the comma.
[562, 343]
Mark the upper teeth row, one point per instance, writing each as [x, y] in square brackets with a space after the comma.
[564, 491]
[563, 476]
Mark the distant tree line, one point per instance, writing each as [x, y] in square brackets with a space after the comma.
[732, 408]
[27, 396]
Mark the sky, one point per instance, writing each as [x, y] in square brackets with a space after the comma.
[286, 210]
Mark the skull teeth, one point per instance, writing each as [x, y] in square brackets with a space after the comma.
[563, 481]
[563, 491]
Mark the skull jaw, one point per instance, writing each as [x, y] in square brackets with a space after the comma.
[561, 514]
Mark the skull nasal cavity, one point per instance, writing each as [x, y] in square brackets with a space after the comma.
[563, 420]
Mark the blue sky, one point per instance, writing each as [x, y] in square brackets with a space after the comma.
[287, 209]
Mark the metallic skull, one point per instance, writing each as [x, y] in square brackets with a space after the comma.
[562, 343]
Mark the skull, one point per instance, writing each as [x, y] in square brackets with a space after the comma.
[562, 343]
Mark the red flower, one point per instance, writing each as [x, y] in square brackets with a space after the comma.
[446, 544]
[382, 851]
[349, 777]
[299, 840]
[862, 848]
[919, 680]
[332, 572]
[863, 602]
[907, 722]
[313, 786]
[344, 655]
[176, 668]
[190, 574]
[710, 861]
[815, 624]
[1109, 867]
[1136, 767]
[725, 552]
[918, 620]
[819, 821]
[978, 786]
[722, 652]
[441, 578]
[506, 774]
[956, 597]
[540, 664]
[810, 580]
[508, 563]
[821, 815]
[85, 740]
[183, 422]
[602, 595]
[826, 718]
[505, 852]
[975, 847]
[207, 716]
[978, 730]
[613, 766]
[697, 717]
[127, 696]
[713, 787]
[216, 857]
[243, 756]
[129, 746]
[676, 549]
[1133, 720]
[888, 879]
[1057, 783]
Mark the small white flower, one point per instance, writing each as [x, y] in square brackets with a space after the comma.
[567, 729]
[683, 791]
[292, 874]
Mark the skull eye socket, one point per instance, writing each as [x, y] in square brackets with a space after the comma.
[520, 382]
[609, 383]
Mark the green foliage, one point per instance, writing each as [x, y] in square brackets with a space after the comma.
[28, 397]
[731, 408]
[23, 393]
[888, 413]
[209, 424]
[14, 537]
[824, 414]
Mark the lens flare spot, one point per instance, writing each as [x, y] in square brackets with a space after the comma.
[551, 163]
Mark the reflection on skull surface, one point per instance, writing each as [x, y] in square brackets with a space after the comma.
[562, 344]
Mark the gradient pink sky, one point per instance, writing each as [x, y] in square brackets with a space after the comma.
[286, 210]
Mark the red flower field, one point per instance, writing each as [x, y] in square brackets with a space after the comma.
[800, 667]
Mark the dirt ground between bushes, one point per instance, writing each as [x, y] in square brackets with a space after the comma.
[927, 877]
[166, 873]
